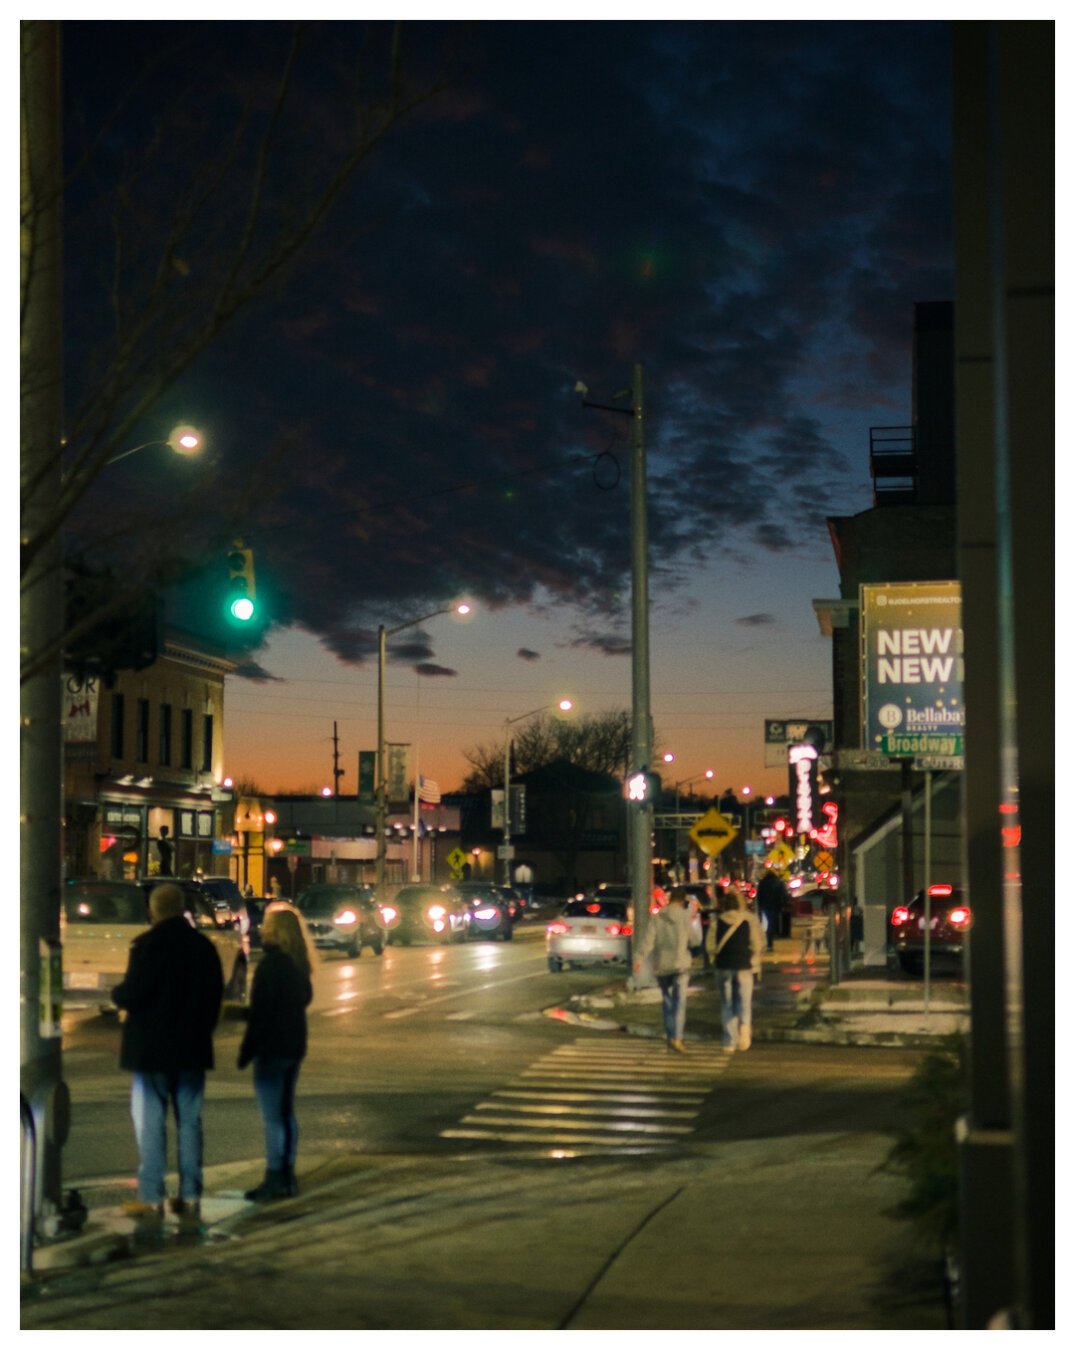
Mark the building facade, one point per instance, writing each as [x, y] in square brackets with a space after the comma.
[144, 790]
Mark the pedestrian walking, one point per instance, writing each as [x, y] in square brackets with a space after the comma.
[275, 1040]
[772, 901]
[736, 948]
[171, 993]
[667, 938]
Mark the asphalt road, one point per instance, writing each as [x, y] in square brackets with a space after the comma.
[407, 1049]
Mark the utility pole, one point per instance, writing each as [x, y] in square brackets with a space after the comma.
[337, 772]
[640, 841]
[41, 619]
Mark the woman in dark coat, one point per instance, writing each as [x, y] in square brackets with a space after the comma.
[275, 1040]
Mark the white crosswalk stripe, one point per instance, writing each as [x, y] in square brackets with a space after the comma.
[636, 1096]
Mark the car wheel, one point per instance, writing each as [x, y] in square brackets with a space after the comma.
[236, 990]
[555, 965]
[378, 946]
[910, 965]
[354, 948]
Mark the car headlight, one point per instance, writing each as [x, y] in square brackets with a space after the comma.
[347, 918]
[436, 911]
[388, 914]
[487, 913]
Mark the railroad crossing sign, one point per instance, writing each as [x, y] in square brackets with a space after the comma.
[823, 861]
[713, 832]
[456, 859]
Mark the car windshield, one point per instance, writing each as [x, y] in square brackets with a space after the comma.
[103, 902]
[595, 909]
[327, 899]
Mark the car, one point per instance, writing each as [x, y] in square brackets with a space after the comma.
[342, 916]
[491, 910]
[228, 898]
[949, 924]
[418, 912]
[593, 929]
[217, 924]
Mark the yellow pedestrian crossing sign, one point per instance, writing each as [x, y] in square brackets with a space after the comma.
[713, 832]
[780, 857]
[456, 859]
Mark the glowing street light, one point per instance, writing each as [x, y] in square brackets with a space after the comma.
[564, 706]
[183, 440]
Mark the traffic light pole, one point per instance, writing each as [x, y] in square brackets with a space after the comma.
[381, 815]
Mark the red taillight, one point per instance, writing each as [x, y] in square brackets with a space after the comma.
[942, 889]
[618, 929]
[959, 917]
[900, 915]
[593, 909]
[555, 928]
[655, 909]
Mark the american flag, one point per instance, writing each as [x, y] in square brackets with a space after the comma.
[427, 789]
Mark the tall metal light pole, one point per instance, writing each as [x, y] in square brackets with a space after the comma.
[383, 634]
[565, 705]
[639, 815]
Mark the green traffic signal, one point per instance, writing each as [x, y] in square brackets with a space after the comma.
[241, 587]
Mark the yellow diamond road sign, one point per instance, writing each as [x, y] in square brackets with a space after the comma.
[713, 832]
[456, 859]
[779, 856]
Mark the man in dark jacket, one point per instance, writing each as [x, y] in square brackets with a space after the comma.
[171, 993]
[772, 900]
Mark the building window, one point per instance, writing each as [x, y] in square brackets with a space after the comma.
[141, 732]
[117, 726]
[186, 734]
[207, 743]
[166, 734]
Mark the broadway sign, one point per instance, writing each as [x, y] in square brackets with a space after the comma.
[912, 668]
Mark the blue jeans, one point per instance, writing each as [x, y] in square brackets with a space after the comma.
[274, 1086]
[151, 1095]
[674, 1003]
[736, 1003]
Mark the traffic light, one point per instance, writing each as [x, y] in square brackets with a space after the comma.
[241, 588]
[642, 787]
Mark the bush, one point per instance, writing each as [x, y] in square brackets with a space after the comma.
[925, 1151]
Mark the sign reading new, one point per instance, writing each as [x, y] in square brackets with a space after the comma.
[912, 668]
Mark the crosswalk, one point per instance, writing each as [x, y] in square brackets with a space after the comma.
[621, 1096]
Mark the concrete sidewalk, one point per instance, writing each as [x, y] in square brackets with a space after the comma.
[767, 1234]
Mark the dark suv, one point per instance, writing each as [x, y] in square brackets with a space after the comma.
[949, 923]
[342, 916]
[491, 910]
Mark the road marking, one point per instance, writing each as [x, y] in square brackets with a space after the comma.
[608, 1096]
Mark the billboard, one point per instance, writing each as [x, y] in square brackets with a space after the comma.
[912, 668]
[782, 732]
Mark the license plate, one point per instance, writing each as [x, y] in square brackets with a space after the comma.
[588, 928]
[82, 979]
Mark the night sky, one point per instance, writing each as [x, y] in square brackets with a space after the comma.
[750, 210]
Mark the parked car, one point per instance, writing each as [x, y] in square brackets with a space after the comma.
[593, 929]
[423, 912]
[223, 931]
[491, 910]
[342, 916]
[949, 924]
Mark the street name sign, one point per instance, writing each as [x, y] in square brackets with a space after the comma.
[713, 832]
[938, 763]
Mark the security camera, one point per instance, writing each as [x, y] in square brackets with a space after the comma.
[580, 388]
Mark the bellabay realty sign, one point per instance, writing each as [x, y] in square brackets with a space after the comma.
[912, 668]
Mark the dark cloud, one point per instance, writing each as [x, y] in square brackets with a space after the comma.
[756, 620]
[749, 209]
[525, 654]
[430, 668]
[252, 670]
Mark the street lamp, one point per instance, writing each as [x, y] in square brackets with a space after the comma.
[183, 440]
[565, 705]
[686, 782]
[383, 634]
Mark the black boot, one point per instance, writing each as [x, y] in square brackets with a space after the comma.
[291, 1186]
[272, 1187]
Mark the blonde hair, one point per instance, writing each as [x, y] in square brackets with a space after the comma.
[165, 902]
[283, 927]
